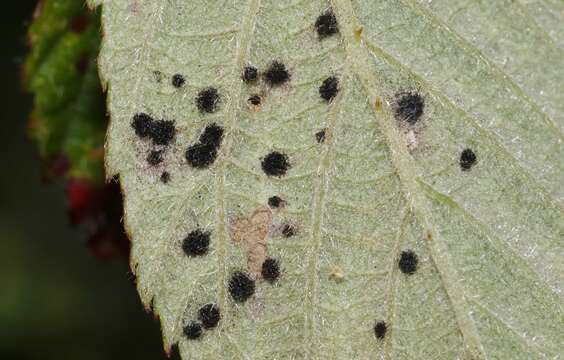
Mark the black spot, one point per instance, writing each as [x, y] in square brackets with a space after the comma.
[155, 157]
[165, 177]
[250, 74]
[142, 124]
[275, 201]
[467, 159]
[329, 88]
[255, 100]
[178, 80]
[207, 100]
[209, 315]
[241, 286]
[277, 74]
[326, 24]
[320, 136]
[212, 135]
[275, 164]
[204, 153]
[380, 329]
[196, 243]
[409, 107]
[162, 132]
[408, 262]
[270, 270]
[288, 230]
[193, 330]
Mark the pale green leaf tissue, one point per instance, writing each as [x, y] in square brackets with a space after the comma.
[489, 240]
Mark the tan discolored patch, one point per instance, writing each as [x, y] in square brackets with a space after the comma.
[358, 33]
[252, 233]
[336, 273]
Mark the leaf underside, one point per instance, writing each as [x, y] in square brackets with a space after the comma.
[488, 239]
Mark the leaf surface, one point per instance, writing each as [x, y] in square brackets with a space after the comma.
[361, 200]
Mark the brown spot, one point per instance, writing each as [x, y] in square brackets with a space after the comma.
[378, 104]
[251, 233]
[358, 33]
[429, 235]
[336, 273]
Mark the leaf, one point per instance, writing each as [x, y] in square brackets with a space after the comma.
[68, 120]
[443, 226]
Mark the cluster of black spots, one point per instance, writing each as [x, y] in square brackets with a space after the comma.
[193, 331]
[320, 136]
[254, 100]
[241, 286]
[203, 153]
[209, 315]
[380, 329]
[467, 159]
[250, 74]
[160, 131]
[196, 243]
[326, 24]
[178, 80]
[270, 270]
[277, 74]
[329, 88]
[288, 231]
[165, 177]
[155, 157]
[275, 202]
[408, 262]
[275, 164]
[409, 107]
[207, 100]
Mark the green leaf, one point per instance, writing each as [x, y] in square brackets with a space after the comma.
[487, 235]
[68, 119]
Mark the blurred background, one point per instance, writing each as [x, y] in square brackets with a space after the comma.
[57, 300]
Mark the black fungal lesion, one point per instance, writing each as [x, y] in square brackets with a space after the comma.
[326, 24]
[208, 100]
[204, 153]
[165, 177]
[193, 330]
[467, 159]
[275, 164]
[250, 74]
[178, 80]
[270, 270]
[155, 157]
[161, 132]
[409, 107]
[288, 230]
[320, 136]
[275, 202]
[329, 88]
[196, 243]
[380, 329]
[255, 100]
[241, 286]
[408, 262]
[276, 74]
[209, 315]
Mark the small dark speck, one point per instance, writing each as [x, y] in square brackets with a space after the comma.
[270, 270]
[329, 88]
[326, 24]
[320, 136]
[178, 80]
[196, 243]
[158, 76]
[408, 262]
[380, 329]
[467, 159]
[409, 107]
[276, 74]
[193, 330]
[209, 315]
[165, 177]
[275, 202]
[275, 164]
[288, 230]
[255, 100]
[155, 157]
[250, 74]
[241, 286]
[208, 100]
